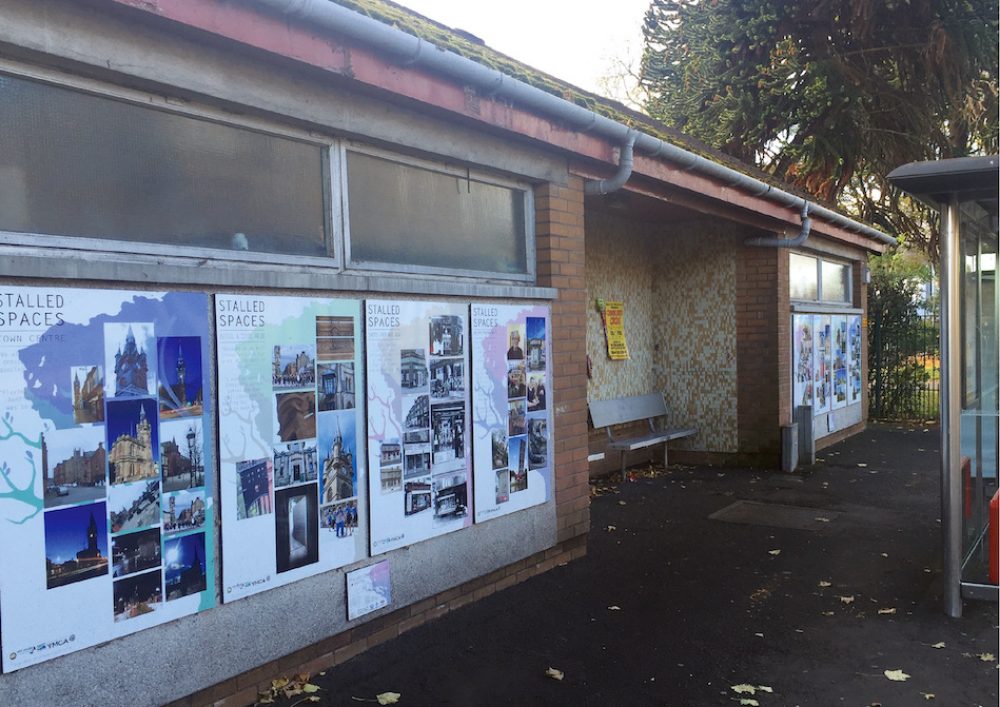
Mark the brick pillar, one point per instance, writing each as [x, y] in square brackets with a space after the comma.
[763, 354]
[560, 248]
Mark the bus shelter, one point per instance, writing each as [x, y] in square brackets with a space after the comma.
[965, 190]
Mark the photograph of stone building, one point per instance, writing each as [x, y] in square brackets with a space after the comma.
[447, 335]
[338, 457]
[88, 394]
[412, 368]
[73, 465]
[295, 463]
[132, 432]
[180, 375]
[182, 456]
[183, 510]
[129, 358]
[253, 495]
[76, 544]
[335, 386]
[293, 365]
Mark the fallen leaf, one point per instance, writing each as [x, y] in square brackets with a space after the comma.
[279, 683]
[621, 503]
[939, 644]
[388, 698]
[611, 528]
[887, 611]
[827, 613]
[554, 674]
[614, 607]
[927, 695]
[309, 688]
[774, 552]
[987, 657]
[743, 689]
[846, 600]
[896, 675]
[265, 698]
[759, 635]
[885, 554]
[765, 688]
[821, 519]
[824, 583]
[749, 702]
[862, 465]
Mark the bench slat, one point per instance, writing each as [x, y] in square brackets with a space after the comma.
[617, 411]
[649, 440]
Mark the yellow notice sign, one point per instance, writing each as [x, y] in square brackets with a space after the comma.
[614, 330]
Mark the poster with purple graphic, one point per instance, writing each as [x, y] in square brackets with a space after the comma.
[106, 466]
[418, 412]
[368, 589]
[291, 460]
[511, 408]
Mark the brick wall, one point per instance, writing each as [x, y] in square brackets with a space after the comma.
[763, 356]
[560, 246]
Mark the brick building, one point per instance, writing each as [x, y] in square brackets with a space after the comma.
[709, 303]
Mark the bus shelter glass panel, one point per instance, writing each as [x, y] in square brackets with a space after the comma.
[980, 302]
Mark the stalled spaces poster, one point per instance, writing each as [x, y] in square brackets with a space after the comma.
[418, 412]
[511, 408]
[292, 463]
[106, 468]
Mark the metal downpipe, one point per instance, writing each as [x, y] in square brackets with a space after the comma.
[774, 242]
[625, 163]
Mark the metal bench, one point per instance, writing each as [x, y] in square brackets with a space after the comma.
[620, 411]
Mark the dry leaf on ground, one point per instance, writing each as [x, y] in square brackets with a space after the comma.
[939, 644]
[774, 552]
[749, 702]
[388, 698]
[927, 695]
[896, 675]
[987, 657]
[743, 689]
[824, 583]
[846, 600]
[611, 528]
[554, 674]
[614, 607]
[887, 611]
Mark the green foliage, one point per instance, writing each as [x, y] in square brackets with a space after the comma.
[902, 344]
[830, 96]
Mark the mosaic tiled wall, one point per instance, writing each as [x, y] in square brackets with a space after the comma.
[696, 333]
[680, 320]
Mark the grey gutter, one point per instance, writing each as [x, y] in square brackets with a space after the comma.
[413, 51]
[771, 242]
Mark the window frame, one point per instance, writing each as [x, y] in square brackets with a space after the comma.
[177, 106]
[819, 301]
[336, 221]
[339, 164]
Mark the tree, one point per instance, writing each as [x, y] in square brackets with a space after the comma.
[830, 95]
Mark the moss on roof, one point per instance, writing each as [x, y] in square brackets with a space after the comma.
[467, 45]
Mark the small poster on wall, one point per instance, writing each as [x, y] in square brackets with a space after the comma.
[613, 315]
[855, 380]
[802, 359]
[106, 505]
[511, 408]
[292, 462]
[418, 412]
[368, 589]
[823, 352]
[840, 354]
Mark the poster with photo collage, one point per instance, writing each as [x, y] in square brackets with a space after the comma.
[802, 359]
[511, 408]
[823, 351]
[106, 471]
[854, 359]
[291, 462]
[840, 360]
[418, 412]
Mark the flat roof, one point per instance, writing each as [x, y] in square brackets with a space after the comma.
[968, 178]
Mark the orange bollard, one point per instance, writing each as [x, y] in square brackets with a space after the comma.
[994, 538]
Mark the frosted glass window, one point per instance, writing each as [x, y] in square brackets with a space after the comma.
[407, 215]
[836, 282]
[802, 277]
[75, 164]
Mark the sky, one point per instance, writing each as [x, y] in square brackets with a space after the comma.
[578, 41]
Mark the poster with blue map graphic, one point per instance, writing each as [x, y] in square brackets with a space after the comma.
[292, 466]
[106, 466]
[511, 408]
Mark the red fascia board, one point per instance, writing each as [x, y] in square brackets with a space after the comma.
[297, 42]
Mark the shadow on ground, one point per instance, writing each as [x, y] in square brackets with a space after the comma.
[704, 604]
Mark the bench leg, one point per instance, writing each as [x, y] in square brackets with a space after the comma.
[664, 456]
[624, 478]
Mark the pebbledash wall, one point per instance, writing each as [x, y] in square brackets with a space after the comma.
[228, 653]
[708, 324]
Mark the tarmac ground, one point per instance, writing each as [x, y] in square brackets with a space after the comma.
[827, 579]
